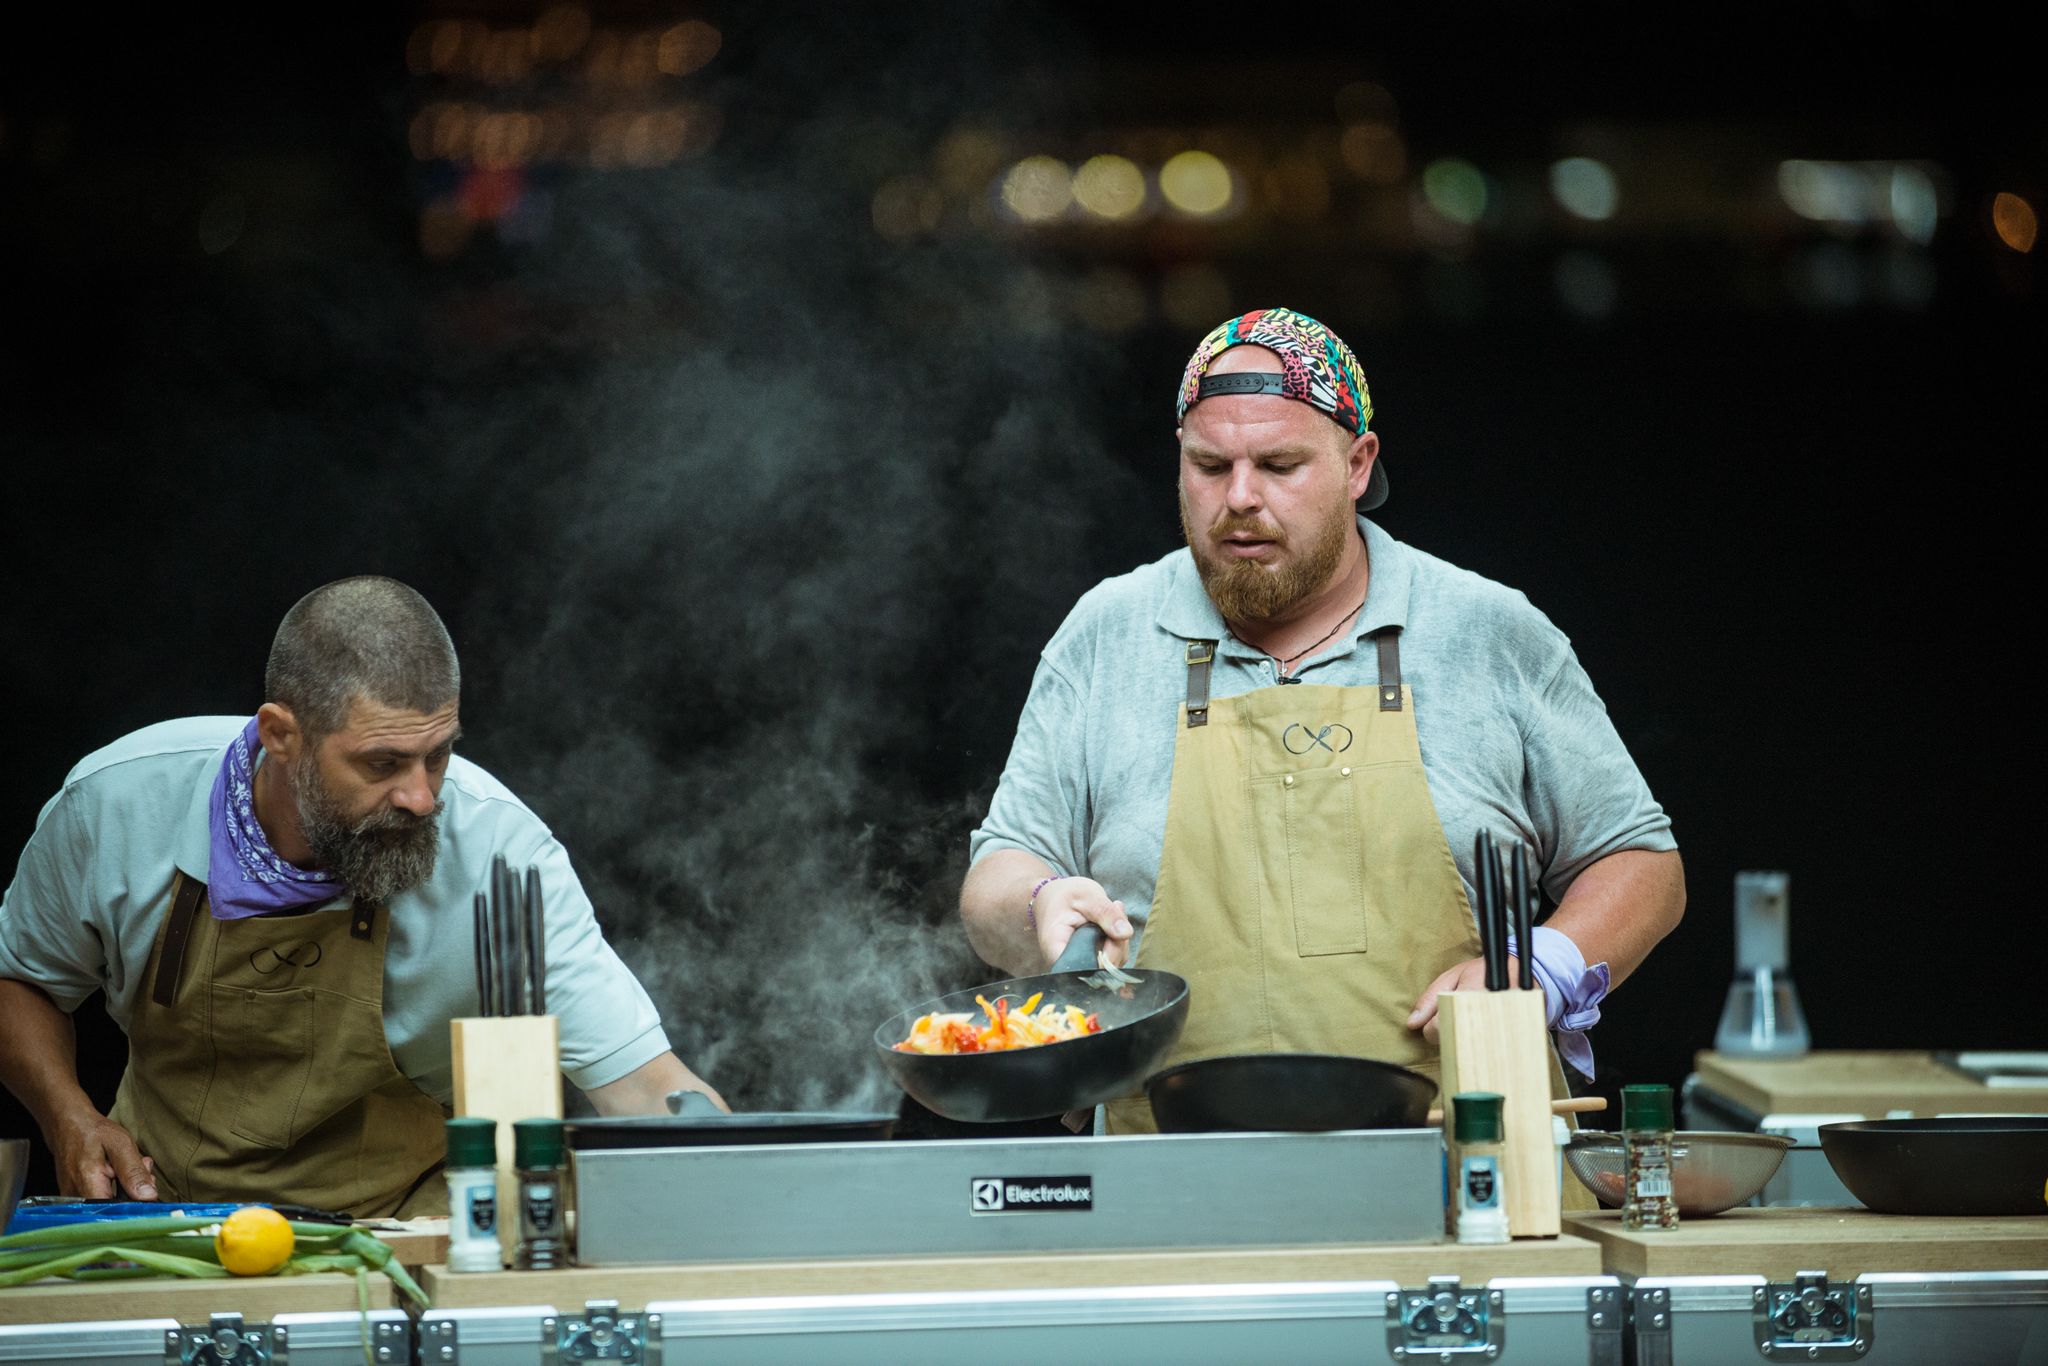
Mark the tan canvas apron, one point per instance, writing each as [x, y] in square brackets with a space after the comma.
[258, 1068]
[1305, 887]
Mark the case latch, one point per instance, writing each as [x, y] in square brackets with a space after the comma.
[226, 1341]
[1808, 1320]
[1445, 1323]
[602, 1334]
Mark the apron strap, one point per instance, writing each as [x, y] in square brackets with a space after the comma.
[186, 894]
[1201, 654]
[362, 920]
[1389, 641]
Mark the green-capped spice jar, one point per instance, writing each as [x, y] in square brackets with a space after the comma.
[1647, 1201]
[1476, 1130]
[543, 1220]
[472, 1170]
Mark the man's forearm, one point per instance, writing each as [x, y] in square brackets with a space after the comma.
[992, 902]
[1620, 906]
[39, 1055]
[645, 1089]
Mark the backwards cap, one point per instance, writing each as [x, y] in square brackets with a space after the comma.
[1317, 368]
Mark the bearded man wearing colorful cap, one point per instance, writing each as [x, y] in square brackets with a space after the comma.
[1261, 761]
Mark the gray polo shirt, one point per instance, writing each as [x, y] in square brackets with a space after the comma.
[1514, 739]
[95, 881]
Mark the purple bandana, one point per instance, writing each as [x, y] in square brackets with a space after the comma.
[244, 875]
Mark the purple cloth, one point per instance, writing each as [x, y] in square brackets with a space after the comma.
[244, 875]
[1572, 992]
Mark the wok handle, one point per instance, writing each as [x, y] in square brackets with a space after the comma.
[694, 1103]
[1079, 955]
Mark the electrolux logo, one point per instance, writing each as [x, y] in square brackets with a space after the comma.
[1030, 1194]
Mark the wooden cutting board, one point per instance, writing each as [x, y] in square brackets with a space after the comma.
[1777, 1243]
[1408, 1264]
[256, 1298]
[1872, 1084]
[417, 1242]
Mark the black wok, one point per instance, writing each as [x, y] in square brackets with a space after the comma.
[1296, 1092]
[1139, 1025]
[1995, 1164]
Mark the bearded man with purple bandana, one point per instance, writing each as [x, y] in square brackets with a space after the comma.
[1261, 761]
[279, 910]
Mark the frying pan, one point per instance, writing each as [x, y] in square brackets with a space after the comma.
[699, 1124]
[1990, 1164]
[1302, 1092]
[1139, 1025]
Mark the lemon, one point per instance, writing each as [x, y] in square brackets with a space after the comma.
[253, 1241]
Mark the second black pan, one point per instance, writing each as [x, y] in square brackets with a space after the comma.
[1294, 1092]
[1139, 1024]
[697, 1123]
[1994, 1164]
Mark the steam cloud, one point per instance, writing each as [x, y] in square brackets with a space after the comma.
[776, 554]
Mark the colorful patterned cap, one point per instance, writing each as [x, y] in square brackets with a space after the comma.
[1316, 367]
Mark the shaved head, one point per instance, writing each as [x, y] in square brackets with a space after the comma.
[369, 638]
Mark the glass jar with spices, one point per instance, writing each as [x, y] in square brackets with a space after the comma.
[1647, 1198]
[543, 1218]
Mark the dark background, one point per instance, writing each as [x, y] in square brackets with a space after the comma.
[749, 521]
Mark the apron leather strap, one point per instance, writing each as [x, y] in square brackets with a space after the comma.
[186, 894]
[1201, 654]
[1389, 642]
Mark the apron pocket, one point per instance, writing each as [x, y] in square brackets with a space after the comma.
[263, 1041]
[1306, 827]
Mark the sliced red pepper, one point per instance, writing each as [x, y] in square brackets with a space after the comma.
[1094, 1024]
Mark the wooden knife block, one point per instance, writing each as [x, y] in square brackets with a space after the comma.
[1497, 1041]
[508, 1067]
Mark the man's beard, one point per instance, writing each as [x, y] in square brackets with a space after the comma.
[1246, 590]
[377, 856]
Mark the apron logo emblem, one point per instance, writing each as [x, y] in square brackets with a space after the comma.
[268, 960]
[1312, 739]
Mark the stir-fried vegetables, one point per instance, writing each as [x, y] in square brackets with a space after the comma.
[1025, 1027]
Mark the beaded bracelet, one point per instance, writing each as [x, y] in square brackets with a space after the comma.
[1031, 906]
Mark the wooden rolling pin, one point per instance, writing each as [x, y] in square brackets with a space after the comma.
[1577, 1105]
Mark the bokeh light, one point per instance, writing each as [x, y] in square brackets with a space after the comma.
[1194, 298]
[1365, 100]
[1586, 285]
[1038, 189]
[1110, 187]
[906, 207]
[1456, 189]
[559, 33]
[1110, 299]
[967, 159]
[1374, 153]
[2015, 221]
[1915, 204]
[1825, 191]
[687, 47]
[1297, 189]
[1196, 183]
[221, 222]
[1585, 187]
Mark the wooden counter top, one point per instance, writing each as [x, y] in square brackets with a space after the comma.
[1776, 1243]
[637, 1286]
[1871, 1084]
[257, 1299]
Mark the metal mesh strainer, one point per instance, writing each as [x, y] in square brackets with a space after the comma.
[1710, 1171]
